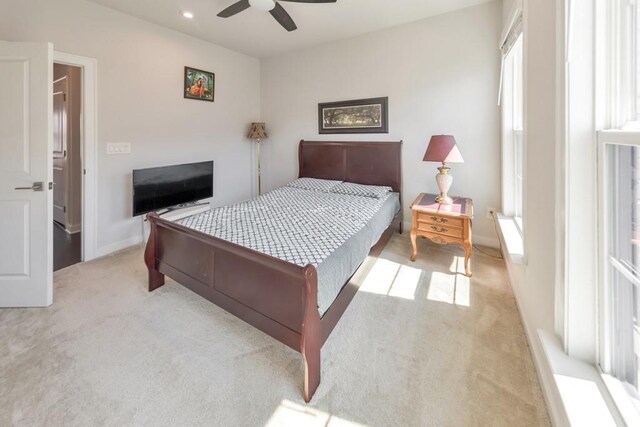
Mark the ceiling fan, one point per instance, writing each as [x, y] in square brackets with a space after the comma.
[271, 6]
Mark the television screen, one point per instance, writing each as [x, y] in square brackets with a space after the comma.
[168, 186]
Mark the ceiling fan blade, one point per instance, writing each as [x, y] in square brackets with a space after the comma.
[283, 18]
[311, 1]
[234, 8]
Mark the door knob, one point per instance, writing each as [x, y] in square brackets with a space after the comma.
[37, 186]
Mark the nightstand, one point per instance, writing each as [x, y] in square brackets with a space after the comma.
[442, 223]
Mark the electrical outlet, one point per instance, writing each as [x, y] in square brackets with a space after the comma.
[490, 212]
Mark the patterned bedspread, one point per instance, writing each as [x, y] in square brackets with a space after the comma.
[295, 225]
[302, 227]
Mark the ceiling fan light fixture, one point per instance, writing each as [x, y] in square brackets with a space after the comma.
[272, 6]
[264, 5]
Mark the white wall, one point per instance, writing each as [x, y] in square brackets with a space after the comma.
[534, 282]
[441, 76]
[508, 7]
[537, 294]
[140, 74]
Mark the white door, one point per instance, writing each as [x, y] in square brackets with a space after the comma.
[26, 219]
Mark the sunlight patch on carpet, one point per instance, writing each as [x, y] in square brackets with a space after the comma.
[292, 414]
[392, 279]
[457, 265]
[450, 288]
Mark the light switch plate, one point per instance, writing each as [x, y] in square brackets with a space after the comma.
[118, 148]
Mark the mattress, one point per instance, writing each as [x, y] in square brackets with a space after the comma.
[333, 232]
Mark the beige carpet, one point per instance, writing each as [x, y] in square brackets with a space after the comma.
[419, 345]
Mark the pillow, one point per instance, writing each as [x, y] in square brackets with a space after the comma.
[350, 188]
[314, 184]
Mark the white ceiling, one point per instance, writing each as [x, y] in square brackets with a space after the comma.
[257, 34]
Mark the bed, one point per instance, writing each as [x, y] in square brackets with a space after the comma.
[292, 293]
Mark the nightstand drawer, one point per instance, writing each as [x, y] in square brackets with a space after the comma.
[442, 223]
[439, 220]
[445, 230]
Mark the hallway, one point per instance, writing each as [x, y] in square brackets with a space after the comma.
[67, 248]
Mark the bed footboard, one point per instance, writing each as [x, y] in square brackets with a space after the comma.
[275, 296]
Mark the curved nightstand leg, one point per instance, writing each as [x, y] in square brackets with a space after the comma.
[415, 245]
[467, 258]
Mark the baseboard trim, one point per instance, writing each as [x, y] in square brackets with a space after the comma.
[491, 242]
[118, 246]
[74, 228]
[550, 392]
[553, 367]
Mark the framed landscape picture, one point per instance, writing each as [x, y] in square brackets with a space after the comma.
[357, 116]
[199, 84]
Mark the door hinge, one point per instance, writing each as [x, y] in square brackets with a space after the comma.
[50, 185]
[64, 209]
[84, 171]
[64, 97]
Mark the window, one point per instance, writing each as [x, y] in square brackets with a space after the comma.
[619, 155]
[517, 125]
[623, 265]
[512, 130]
[635, 64]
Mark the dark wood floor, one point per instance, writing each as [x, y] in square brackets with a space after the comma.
[66, 248]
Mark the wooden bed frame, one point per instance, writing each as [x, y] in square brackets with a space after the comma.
[275, 296]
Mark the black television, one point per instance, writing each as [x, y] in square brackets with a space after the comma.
[171, 186]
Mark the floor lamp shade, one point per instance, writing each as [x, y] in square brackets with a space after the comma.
[443, 148]
[258, 132]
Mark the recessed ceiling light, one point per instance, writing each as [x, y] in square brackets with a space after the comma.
[187, 14]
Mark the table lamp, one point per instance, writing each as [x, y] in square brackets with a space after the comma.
[258, 132]
[443, 148]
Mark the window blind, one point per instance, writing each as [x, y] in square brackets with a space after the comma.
[508, 39]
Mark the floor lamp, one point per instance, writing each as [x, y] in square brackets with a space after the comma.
[258, 132]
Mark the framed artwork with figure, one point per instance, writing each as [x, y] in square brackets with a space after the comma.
[199, 84]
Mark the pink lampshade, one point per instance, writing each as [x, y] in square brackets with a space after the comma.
[443, 148]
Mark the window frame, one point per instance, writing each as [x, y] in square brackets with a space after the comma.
[606, 323]
[618, 124]
[512, 113]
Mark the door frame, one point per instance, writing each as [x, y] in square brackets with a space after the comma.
[89, 144]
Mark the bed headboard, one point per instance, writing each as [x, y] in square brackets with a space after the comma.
[362, 162]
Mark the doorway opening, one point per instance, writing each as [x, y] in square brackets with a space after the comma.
[67, 165]
[88, 68]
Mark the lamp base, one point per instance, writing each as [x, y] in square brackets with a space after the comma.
[444, 199]
[444, 181]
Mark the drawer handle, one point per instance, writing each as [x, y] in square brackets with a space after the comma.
[439, 229]
[439, 220]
